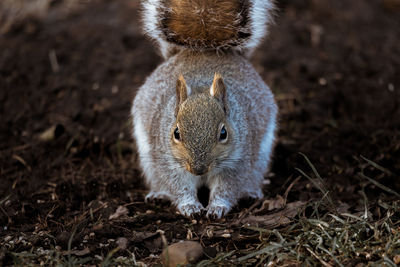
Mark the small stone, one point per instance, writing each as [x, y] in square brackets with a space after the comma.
[48, 134]
[182, 253]
[396, 259]
[227, 235]
[114, 89]
[322, 81]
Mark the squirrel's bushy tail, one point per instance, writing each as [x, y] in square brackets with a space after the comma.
[206, 24]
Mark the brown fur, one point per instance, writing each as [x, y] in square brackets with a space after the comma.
[205, 23]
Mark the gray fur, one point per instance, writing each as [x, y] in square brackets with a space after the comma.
[236, 172]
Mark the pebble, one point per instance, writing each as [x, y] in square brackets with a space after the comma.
[227, 235]
[48, 134]
[396, 259]
[181, 253]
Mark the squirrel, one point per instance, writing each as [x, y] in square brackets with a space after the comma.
[205, 117]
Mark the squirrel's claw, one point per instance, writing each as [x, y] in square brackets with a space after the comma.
[190, 210]
[216, 212]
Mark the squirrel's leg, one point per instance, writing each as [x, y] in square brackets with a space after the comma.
[225, 191]
[223, 195]
[186, 200]
[182, 188]
[188, 204]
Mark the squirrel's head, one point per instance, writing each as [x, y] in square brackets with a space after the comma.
[201, 137]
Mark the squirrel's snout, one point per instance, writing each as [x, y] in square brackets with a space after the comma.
[197, 170]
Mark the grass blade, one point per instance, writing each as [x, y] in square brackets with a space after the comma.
[381, 186]
[379, 167]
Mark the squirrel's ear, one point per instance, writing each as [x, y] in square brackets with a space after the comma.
[218, 89]
[181, 93]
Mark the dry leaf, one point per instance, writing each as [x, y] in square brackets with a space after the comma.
[271, 204]
[121, 211]
[276, 219]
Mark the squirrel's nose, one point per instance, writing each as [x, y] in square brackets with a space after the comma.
[200, 171]
[197, 170]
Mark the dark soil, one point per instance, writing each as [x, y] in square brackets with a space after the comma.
[334, 67]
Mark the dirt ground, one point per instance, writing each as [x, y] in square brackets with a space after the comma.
[67, 159]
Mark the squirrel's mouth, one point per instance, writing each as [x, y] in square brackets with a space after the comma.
[197, 170]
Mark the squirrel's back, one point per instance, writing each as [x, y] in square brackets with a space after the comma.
[206, 24]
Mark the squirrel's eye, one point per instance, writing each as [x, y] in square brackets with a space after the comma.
[223, 135]
[177, 136]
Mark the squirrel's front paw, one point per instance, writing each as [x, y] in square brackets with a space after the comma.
[158, 198]
[216, 211]
[190, 209]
